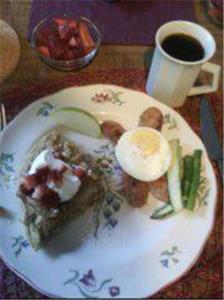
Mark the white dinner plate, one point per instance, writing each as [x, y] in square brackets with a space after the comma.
[127, 255]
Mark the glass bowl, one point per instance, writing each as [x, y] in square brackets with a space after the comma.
[68, 65]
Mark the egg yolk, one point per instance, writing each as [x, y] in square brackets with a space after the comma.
[147, 141]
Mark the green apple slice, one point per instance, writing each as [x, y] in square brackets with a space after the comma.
[78, 120]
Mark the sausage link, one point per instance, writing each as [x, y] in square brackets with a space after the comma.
[151, 117]
[112, 130]
[136, 191]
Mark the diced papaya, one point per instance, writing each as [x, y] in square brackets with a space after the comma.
[85, 36]
[59, 21]
[44, 50]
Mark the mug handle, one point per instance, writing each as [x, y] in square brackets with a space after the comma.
[204, 89]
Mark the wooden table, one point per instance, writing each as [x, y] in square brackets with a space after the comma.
[110, 57]
[32, 69]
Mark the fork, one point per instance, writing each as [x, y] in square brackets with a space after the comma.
[3, 122]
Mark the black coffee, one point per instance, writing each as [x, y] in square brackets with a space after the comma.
[183, 47]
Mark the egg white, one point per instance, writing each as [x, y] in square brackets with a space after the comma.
[140, 166]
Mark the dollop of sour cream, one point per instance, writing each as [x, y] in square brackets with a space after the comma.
[70, 183]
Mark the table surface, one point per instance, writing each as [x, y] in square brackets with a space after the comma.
[31, 69]
[109, 57]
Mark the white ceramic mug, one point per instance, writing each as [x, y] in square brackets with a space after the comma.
[171, 80]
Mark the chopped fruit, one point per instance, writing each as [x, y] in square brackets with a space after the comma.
[55, 178]
[68, 22]
[25, 191]
[72, 42]
[42, 174]
[45, 196]
[56, 175]
[86, 38]
[39, 191]
[70, 55]
[44, 50]
[65, 32]
[72, 24]
[50, 199]
[79, 172]
[79, 120]
[64, 39]
[60, 21]
[29, 182]
[63, 169]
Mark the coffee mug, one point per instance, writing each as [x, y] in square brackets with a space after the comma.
[171, 80]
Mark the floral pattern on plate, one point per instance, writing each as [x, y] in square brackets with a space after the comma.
[6, 167]
[203, 191]
[170, 122]
[89, 286]
[105, 214]
[108, 96]
[19, 244]
[45, 109]
[169, 257]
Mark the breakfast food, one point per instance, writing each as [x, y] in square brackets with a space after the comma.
[151, 117]
[177, 188]
[78, 120]
[112, 130]
[184, 181]
[159, 189]
[191, 179]
[143, 153]
[56, 185]
[64, 39]
[137, 191]
[174, 176]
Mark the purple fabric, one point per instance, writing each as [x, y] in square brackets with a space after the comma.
[120, 22]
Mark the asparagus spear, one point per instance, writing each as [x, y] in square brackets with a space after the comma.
[195, 180]
[187, 178]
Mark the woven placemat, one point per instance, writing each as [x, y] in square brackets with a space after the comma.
[205, 279]
[122, 22]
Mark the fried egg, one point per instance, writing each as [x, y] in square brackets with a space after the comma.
[143, 153]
